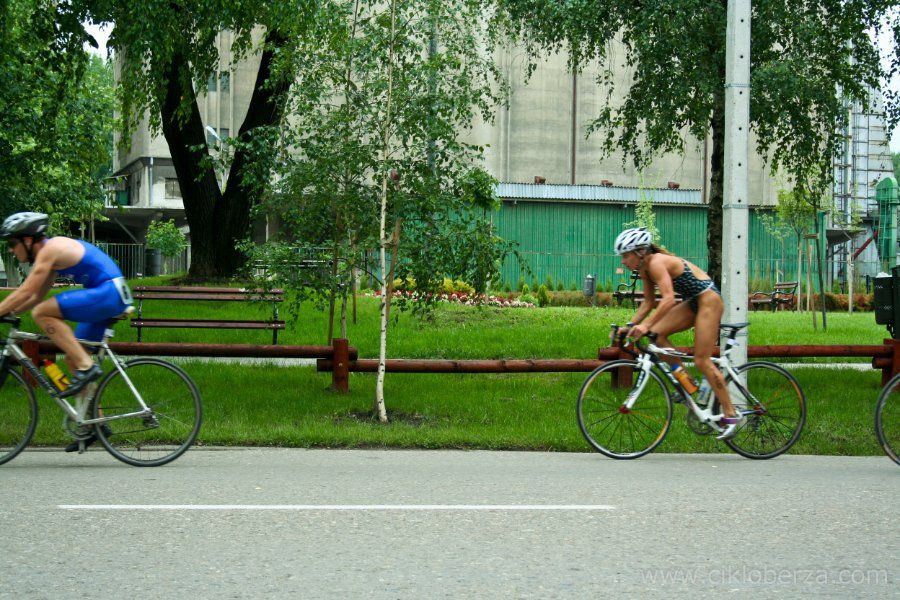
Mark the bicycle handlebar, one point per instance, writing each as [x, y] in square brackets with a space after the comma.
[619, 341]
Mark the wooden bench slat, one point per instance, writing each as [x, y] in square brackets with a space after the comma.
[207, 324]
[210, 297]
[205, 290]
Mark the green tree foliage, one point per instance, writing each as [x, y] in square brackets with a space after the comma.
[802, 51]
[166, 237]
[895, 157]
[330, 157]
[57, 118]
[164, 48]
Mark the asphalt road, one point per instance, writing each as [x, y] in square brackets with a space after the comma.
[244, 523]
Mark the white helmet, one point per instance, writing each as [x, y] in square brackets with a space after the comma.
[632, 239]
[23, 224]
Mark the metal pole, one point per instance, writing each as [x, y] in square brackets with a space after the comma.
[735, 210]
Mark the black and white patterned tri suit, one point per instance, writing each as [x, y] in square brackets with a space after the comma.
[690, 287]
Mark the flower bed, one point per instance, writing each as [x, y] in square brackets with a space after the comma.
[467, 299]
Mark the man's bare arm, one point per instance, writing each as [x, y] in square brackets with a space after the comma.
[35, 286]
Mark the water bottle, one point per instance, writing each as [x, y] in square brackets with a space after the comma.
[705, 390]
[684, 379]
[55, 374]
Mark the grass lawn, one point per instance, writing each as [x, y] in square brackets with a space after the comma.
[269, 405]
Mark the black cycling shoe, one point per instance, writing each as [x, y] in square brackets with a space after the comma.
[81, 379]
[75, 446]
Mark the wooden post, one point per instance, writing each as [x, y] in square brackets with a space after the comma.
[889, 371]
[624, 377]
[340, 375]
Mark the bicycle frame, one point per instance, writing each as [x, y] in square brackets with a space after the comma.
[77, 413]
[649, 357]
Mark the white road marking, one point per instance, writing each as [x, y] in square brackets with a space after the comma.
[340, 507]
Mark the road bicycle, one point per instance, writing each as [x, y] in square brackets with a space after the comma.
[625, 421]
[887, 419]
[146, 411]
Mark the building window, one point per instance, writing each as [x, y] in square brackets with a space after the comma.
[173, 190]
[211, 83]
[224, 133]
[224, 81]
[210, 138]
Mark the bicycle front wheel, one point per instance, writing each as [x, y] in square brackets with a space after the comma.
[615, 430]
[151, 440]
[779, 411]
[887, 419]
[18, 415]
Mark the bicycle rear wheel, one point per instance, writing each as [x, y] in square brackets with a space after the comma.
[887, 419]
[779, 407]
[616, 431]
[153, 440]
[18, 415]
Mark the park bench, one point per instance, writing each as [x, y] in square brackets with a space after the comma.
[783, 295]
[638, 296]
[629, 291]
[212, 294]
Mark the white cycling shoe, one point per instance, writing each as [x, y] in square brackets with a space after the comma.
[732, 424]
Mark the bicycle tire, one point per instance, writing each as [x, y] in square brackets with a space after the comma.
[887, 419]
[625, 435]
[18, 419]
[773, 431]
[177, 410]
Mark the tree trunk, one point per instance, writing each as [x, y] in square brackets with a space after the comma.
[217, 220]
[819, 269]
[382, 352]
[799, 305]
[716, 191]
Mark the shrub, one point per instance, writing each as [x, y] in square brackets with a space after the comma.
[507, 288]
[569, 298]
[543, 298]
[454, 286]
[525, 297]
[574, 286]
[535, 284]
[525, 289]
[549, 282]
[166, 237]
[521, 284]
[559, 286]
[448, 286]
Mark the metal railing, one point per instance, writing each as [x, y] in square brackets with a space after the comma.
[133, 260]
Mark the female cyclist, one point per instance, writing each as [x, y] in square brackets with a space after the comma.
[702, 308]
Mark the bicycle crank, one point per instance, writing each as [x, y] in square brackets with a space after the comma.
[698, 426]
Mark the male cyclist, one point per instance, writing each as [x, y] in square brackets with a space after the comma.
[105, 294]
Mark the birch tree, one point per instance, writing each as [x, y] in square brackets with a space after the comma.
[375, 158]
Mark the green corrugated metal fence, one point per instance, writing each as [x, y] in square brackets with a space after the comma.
[567, 241]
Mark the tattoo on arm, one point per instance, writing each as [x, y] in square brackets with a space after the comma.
[51, 330]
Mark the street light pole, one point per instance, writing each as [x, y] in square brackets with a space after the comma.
[735, 210]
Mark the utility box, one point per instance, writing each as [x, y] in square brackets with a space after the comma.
[590, 286]
[884, 299]
[887, 301]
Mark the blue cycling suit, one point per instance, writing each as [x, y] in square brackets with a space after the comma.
[105, 294]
